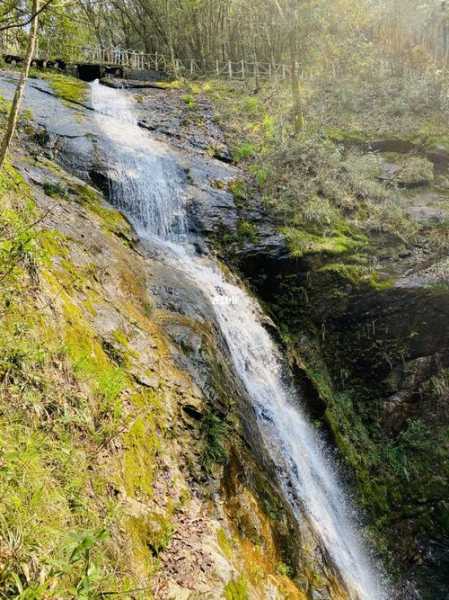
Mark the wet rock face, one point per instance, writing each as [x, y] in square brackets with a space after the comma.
[392, 343]
[399, 339]
[174, 345]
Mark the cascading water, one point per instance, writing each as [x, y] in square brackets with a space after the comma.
[146, 185]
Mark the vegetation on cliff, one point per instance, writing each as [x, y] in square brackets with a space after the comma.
[360, 196]
[348, 166]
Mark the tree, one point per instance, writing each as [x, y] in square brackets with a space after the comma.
[289, 14]
[17, 100]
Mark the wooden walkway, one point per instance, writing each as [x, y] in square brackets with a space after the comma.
[240, 70]
[189, 68]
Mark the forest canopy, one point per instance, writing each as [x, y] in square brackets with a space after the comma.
[339, 32]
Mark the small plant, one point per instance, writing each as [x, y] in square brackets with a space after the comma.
[261, 173]
[81, 555]
[214, 430]
[284, 570]
[149, 308]
[54, 189]
[247, 231]
[251, 105]
[238, 189]
[189, 101]
[243, 151]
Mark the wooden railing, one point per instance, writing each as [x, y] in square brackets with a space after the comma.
[192, 68]
[183, 67]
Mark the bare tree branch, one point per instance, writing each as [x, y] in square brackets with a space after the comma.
[27, 21]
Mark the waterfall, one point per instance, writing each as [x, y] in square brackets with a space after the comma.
[147, 186]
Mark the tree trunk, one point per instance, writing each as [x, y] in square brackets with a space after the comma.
[298, 115]
[15, 108]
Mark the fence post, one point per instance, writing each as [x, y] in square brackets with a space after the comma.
[156, 62]
[243, 69]
[230, 69]
[218, 68]
[191, 66]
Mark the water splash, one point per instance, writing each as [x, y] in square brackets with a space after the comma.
[149, 190]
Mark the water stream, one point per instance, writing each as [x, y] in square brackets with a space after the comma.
[148, 187]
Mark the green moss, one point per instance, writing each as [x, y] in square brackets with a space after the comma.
[224, 543]
[358, 275]
[348, 136]
[301, 242]
[54, 189]
[45, 458]
[89, 359]
[171, 85]
[120, 336]
[74, 426]
[66, 87]
[160, 533]
[112, 220]
[139, 462]
[284, 570]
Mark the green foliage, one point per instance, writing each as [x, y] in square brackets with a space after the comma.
[63, 28]
[261, 174]
[239, 189]
[18, 243]
[439, 384]
[251, 105]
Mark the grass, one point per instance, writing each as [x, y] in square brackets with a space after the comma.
[62, 400]
[236, 590]
[313, 179]
[43, 475]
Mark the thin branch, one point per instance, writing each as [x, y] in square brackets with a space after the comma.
[29, 20]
